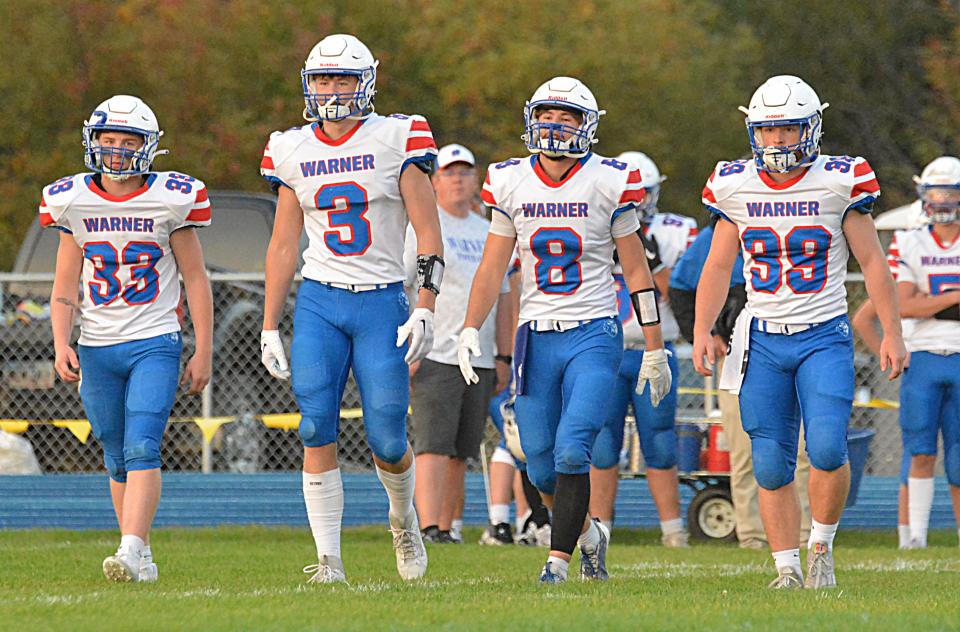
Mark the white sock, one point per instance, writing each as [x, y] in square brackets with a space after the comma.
[456, 526]
[558, 566]
[522, 520]
[788, 559]
[903, 534]
[671, 526]
[958, 534]
[400, 492]
[822, 534]
[919, 505]
[323, 496]
[589, 539]
[609, 525]
[499, 513]
[132, 545]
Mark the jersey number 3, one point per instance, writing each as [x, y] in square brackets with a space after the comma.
[346, 204]
[141, 256]
[558, 253]
[806, 253]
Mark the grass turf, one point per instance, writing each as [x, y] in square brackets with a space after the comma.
[249, 578]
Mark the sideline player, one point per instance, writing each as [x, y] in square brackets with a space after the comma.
[798, 215]
[566, 208]
[127, 232]
[928, 277]
[351, 178]
[668, 236]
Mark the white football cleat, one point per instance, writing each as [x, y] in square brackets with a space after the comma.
[148, 569]
[329, 570]
[411, 554]
[820, 567]
[788, 579]
[122, 566]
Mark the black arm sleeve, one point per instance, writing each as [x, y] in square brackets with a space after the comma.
[683, 304]
[949, 313]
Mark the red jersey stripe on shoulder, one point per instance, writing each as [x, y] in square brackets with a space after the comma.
[46, 219]
[420, 142]
[632, 195]
[634, 177]
[199, 215]
[870, 186]
[43, 201]
[420, 126]
[708, 195]
[487, 179]
[862, 169]
[202, 195]
[487, 197]
[267, 163]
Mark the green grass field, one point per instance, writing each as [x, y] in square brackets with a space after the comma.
[250, 579]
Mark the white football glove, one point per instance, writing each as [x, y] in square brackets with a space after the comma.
[272, 354]
[655, 369]
[468, 345]
[419, 329]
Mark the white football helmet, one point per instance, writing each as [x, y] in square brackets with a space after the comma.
[562, 92]
[785, 100]
[939, 190]
[650, 177]
[339, 55]
[121, 113]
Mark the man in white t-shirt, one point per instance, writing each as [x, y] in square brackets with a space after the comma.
[448, 415]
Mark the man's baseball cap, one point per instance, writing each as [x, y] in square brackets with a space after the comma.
[452, 153]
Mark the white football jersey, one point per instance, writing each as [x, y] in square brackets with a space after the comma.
[349, 190]
[129, 281]
[791, 233]
[934, 268]
[564, 231]
[893, 254]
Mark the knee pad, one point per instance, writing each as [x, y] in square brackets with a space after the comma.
[771, 467]
[951, 463]
[116, 467]
[387, 434]
[663, 450]
[315, 432]
[571, 459]
[541, 471]
[143, 454]
[502, 455]
[388, 450]
[605, 454]
[827, 453]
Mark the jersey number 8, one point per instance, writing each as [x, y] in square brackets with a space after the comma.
[558, 253]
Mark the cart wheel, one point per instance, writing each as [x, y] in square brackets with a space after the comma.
[710, 516]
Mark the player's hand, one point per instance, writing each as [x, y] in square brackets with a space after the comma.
[468, 345]
[419, 329]
[272, 354]
[654, 369]
[67, 364]
[893, 355]
[704, 346]
[197, 373]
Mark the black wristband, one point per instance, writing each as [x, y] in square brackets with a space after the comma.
[645, 307]
[507, 359]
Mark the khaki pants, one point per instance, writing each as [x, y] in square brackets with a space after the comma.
[743, 486]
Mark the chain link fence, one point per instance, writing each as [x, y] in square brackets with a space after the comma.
[246, 421]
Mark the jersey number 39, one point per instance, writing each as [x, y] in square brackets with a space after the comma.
[805, 249]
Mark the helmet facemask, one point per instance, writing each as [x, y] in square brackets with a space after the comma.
[547, 138]
[331, 106]
[783, 158]
[133, 161]
[941, 202]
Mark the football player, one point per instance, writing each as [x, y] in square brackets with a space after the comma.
[566, 208]
[928, 277]
[127, 232]
[668, 237]
[798, 214]
[352, 178]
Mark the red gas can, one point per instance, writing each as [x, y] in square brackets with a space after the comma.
[717, 454]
